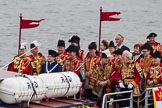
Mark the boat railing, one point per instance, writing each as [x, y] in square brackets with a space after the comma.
[144, 100]
[106, 100]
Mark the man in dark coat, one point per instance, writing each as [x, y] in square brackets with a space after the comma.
[119, 43]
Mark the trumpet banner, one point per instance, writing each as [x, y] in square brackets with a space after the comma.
[157, 97]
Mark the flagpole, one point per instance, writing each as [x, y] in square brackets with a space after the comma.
[99, 30]
[20, 32]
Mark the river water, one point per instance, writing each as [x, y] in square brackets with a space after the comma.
[64, 18]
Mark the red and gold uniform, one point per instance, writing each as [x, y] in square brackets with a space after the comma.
[72, 64]
[14, 66]
[145, 63]
[102, 72]
[156, 46]
[36, 62]
[81, 54]
[90, 61]
[21, 65]
[25, 66]
[129, 75]
[155, 75]
[61, 58]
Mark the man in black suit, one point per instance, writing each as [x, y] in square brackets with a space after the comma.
[119, 43]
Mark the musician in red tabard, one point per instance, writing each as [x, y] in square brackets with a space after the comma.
[91, 59]
[61, 51]
[72, 61]
[21, 62]
[154, 77]
[146, 59]
[103, 76]
[37, 58]
[155, 45]
[129, 78]
[75, 40]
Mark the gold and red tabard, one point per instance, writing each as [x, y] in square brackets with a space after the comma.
[102, 72]
[155, 75]
[81, 54]
[156, 46]
[36, 62]
[145, 63]
[71, 64]
[61, 58]
[129, 75]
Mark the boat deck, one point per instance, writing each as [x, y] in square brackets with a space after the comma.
[54, 103]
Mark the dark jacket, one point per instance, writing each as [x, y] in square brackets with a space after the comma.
[51, 68]
[123, 48]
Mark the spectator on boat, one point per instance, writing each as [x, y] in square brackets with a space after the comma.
[61, 51]
[75, 40]
[129, 78]
[104, 45]
[137, 52]
[51, 65]
[154, 77]
[119, 43]
[111, 47]
[21, 62]
[91, 59]
[155, 45]
[104, 76]
[37, 58]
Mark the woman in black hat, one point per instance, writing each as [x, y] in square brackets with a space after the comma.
[51, 65]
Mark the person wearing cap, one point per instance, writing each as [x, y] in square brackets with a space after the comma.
[155, 45]
[90, 60]
[37, 57]
[154, 77]
[75, 40]
[129, 78]
[114, 53]
[146, 59]
[103, 76]
[72, 61]
[61, 51]
[51, 65]
[14, 66]
[111, 47]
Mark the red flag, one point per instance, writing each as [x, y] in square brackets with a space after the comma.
[106, 16]
[26, 24]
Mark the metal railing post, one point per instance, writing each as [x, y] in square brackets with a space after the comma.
[131, 100]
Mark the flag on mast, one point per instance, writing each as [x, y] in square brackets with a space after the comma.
[106, 16]
[27, 24]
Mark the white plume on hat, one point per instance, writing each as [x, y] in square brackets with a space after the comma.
[107, 52]
[23, 45]
[36, 43]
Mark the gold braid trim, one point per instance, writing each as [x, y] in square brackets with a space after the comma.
[155, 81]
